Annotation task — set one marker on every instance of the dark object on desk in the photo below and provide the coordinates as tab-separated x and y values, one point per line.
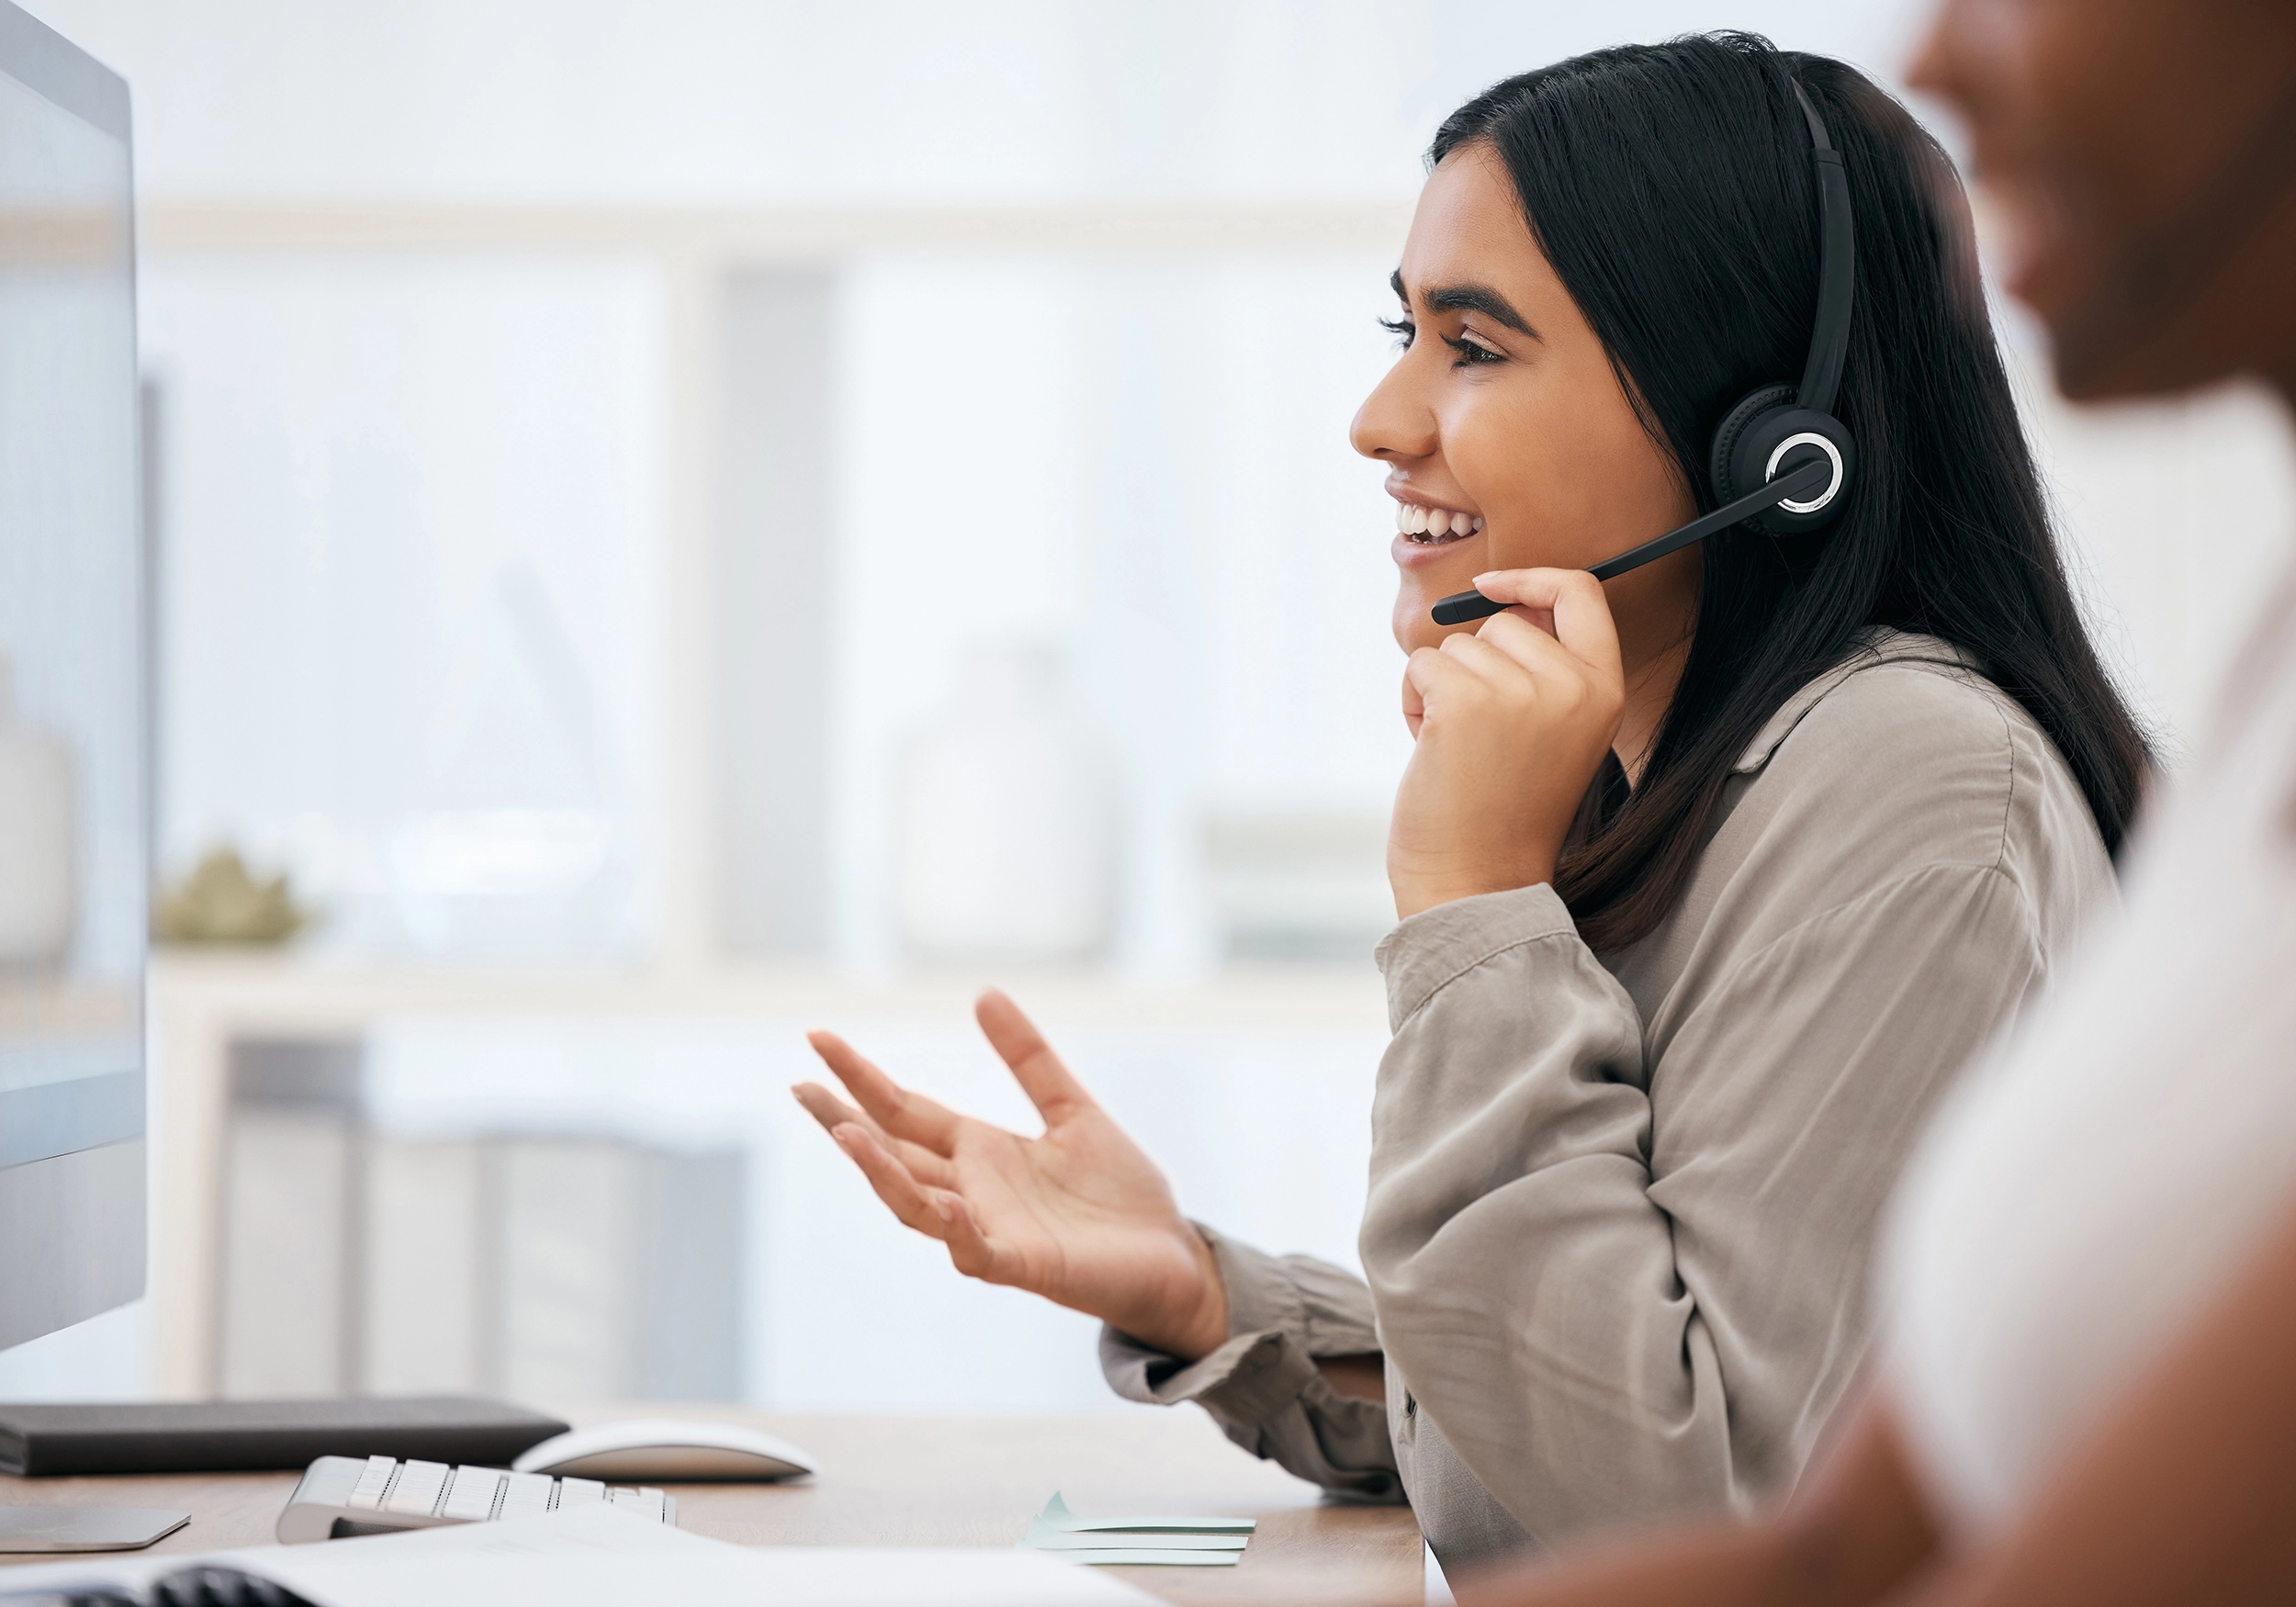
221	1587
240	1436
198	1586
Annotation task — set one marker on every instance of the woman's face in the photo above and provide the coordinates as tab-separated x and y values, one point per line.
2104	133
1504	419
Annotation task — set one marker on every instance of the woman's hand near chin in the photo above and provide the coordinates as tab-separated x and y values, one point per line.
1512	723
1079	1215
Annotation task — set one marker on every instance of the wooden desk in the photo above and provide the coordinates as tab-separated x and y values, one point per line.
937	1481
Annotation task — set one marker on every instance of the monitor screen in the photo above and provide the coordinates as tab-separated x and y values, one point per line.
73	805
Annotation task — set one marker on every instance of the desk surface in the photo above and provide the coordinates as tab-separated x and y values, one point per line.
936	1481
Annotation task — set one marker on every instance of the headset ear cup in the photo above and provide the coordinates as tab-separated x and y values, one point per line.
1779	441
1721	461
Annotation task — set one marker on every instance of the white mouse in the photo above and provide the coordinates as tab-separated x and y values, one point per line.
666	1452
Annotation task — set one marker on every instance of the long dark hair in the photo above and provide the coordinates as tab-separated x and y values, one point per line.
1669	186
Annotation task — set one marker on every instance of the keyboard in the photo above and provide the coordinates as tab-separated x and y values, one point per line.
342	1497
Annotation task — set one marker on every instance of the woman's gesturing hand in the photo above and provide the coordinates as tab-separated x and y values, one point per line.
1512	723
1079	1215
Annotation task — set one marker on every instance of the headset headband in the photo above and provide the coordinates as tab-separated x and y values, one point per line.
1837	266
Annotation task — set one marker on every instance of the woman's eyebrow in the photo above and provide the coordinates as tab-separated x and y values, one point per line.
1480	298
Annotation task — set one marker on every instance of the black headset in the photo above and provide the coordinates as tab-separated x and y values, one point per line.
1782	442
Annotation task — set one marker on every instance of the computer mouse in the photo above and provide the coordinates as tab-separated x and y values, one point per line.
667	1452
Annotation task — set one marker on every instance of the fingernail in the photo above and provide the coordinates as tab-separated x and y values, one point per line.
945	1207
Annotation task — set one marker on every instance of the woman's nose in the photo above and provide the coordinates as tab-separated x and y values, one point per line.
1394	423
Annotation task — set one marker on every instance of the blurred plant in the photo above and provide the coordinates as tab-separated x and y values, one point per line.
222	902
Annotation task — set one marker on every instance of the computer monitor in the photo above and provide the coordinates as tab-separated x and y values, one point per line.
73	754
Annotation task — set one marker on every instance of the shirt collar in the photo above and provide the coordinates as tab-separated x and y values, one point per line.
1879	646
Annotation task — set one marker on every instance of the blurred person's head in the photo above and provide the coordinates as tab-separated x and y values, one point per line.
1609	253
2141	158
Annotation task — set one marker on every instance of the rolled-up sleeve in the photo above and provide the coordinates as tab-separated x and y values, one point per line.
1624	1289
1262	1386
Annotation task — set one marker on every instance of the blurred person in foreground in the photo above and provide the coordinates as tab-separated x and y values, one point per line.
2086	1385
1710	877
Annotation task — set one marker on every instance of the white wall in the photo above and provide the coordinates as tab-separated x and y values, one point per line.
774	102
409	529
728	102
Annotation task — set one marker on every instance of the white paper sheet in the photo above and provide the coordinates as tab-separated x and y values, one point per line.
597	1556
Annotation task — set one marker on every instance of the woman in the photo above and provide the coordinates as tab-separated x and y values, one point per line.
2083	1392
1709	877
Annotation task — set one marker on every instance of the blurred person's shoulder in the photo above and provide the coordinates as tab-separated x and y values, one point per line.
2259	667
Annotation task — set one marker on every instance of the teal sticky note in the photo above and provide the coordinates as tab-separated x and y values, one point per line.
1043	1536
1057	1514
1145	1558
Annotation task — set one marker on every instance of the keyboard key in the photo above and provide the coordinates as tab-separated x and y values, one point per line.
580	1492
644	1504
527	1492
418	1489
470	1498
373	1481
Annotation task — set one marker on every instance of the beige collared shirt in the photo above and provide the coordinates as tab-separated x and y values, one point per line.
1621	1208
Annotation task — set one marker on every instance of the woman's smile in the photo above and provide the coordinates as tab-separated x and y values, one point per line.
1432	527
1426	530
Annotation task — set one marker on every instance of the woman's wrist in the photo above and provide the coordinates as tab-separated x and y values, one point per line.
1415	893
1202	1327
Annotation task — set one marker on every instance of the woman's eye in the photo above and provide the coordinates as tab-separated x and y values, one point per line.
1472	351
1403	329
